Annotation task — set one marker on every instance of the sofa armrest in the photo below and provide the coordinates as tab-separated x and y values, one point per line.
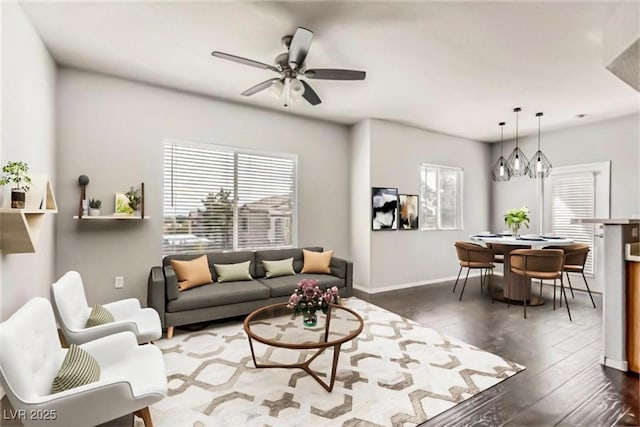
156	293
344	270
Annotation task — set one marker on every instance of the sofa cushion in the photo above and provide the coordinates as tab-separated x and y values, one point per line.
192	273
316	262
283	267
280	254
218	294
233	272
219	258
285	285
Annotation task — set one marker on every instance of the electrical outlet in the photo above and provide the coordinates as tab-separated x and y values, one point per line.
119	283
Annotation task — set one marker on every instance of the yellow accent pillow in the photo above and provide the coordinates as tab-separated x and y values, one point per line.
316	262
192	273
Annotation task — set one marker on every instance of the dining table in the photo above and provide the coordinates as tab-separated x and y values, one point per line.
516	288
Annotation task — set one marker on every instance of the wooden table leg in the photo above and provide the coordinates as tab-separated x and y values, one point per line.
145	415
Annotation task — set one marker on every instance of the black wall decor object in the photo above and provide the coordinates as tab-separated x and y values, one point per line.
408	211
384	208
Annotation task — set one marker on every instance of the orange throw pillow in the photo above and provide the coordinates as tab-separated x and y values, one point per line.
316	262
192	273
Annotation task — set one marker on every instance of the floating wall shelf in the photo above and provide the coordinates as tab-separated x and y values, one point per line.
20	228
110	217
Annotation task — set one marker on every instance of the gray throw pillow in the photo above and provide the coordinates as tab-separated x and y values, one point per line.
99	316
233	272
78	368
283	267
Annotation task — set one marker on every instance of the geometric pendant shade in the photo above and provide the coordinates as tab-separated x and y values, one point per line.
517	159
501	171
540	166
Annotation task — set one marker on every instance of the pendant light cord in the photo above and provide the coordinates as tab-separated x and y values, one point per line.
539	133
517	128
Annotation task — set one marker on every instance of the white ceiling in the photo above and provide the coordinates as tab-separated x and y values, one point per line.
456	68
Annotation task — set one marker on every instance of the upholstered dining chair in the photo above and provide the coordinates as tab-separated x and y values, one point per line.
542	264
498	252
131	377
71	308
575	258
473	256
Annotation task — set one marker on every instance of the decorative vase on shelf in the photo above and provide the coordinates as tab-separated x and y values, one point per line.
94	212
310	319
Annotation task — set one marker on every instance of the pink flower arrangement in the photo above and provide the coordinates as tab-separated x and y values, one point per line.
308	297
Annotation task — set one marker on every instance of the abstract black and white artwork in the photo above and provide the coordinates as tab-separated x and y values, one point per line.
384	208
408	211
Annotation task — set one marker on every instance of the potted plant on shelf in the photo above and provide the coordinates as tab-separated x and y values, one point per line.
134	200
94	207
17	173
307	298
515	218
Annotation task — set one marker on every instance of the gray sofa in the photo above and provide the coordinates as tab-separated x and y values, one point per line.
228	299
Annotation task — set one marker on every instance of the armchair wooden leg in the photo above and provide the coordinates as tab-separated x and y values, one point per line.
169	332
145	415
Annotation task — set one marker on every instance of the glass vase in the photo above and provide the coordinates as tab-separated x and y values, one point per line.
515	230
310	319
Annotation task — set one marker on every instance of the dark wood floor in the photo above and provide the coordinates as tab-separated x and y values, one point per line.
564	384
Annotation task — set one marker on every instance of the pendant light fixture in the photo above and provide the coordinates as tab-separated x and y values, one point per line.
501	171
517	159
540	166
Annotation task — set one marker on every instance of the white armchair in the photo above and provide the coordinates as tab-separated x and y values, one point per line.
132	377
71	308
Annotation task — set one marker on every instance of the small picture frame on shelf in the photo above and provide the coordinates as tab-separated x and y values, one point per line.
122	205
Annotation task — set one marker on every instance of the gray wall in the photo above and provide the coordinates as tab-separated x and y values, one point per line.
405	258
617	140
28	132
113	129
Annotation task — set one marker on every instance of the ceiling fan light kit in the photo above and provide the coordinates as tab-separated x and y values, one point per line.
291	66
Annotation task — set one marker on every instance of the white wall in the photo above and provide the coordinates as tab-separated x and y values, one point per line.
405	258
112	130
28	134
617	140
361	203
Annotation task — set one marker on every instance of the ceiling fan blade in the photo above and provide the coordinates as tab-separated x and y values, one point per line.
309	94
260	86
245	61
299	47
334	74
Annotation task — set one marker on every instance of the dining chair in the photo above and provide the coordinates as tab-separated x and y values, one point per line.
473	256
575	258
498	252
542	264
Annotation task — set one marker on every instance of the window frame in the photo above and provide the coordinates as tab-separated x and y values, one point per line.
235	150
459	197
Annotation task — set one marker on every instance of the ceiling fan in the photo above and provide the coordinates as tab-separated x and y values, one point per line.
291	65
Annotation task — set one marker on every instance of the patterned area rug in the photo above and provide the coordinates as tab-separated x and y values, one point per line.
395	373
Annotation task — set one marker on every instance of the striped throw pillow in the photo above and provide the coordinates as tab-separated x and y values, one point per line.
99	316
78	368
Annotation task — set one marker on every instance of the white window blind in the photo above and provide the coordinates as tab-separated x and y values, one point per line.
220	198
440	197
573	196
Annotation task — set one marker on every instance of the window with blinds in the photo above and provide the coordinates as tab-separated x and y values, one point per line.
221	198
573	196
440	197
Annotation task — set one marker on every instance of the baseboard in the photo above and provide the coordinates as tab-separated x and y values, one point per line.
400	286
620	365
